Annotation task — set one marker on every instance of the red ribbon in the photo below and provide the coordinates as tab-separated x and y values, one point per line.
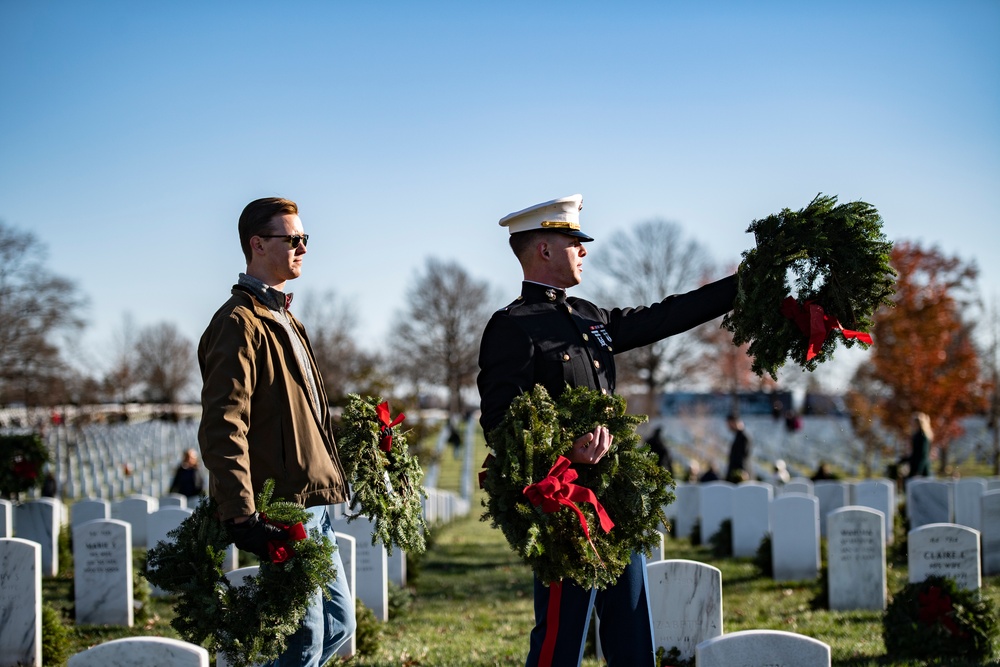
486	464
281	550
385	442
25	469
816	324
557	489
935	606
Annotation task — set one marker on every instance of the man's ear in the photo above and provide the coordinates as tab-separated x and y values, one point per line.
543	248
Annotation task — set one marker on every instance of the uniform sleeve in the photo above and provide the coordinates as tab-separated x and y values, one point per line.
634	327
226	356
506	368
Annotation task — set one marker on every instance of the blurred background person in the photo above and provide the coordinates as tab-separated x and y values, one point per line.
920	446
187	478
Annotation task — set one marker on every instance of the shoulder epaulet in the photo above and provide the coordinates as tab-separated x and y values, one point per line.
516	302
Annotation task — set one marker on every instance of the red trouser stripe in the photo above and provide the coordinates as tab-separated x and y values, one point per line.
551	625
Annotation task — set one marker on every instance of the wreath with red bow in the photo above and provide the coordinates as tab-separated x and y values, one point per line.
249	623
837	259
936	618
579	522
22	458
385	479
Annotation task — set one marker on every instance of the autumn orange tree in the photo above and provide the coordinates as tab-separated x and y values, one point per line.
924	358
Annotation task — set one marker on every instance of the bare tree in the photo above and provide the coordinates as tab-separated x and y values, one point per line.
438	334
165	362
36	308
122	377
643	266
346	368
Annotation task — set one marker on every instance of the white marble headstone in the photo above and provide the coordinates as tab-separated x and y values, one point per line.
39	521
928	501
832	496
945	550
20	602
88	509
346	547
968	507
162	521
6	518
158	525
856	559
990	517
878	494
685	599
795	537
716	506
763	648
102	568
797	485
751	521
396	565
687	509
370	566
136	509
231	561
174	500
142	652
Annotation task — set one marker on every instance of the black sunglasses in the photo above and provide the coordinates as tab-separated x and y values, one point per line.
294	239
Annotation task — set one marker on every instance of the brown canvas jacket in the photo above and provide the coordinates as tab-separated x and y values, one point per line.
257	419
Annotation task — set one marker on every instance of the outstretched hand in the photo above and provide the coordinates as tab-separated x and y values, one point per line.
592	447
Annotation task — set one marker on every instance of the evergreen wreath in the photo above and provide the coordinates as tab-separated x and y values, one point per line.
627	482
22	458
937	618
385	479
838	258
250	623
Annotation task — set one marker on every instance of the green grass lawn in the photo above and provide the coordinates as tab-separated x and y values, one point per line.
471	604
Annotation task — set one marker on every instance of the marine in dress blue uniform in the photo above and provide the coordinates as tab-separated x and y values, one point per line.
546	337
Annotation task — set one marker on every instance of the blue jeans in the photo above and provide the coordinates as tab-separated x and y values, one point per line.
328	623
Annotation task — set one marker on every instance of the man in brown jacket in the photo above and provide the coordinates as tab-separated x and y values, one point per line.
265	415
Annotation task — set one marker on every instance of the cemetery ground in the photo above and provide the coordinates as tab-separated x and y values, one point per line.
469	603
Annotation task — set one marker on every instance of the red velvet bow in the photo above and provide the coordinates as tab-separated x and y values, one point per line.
25	469
281	550
935	605
557	489
486	464
385	442
816	324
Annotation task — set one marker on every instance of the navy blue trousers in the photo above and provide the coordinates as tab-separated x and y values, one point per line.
562	618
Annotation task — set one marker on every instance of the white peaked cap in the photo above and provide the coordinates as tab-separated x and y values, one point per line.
558	215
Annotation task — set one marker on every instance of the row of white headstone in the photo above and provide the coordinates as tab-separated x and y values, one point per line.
686	596
113	461
795	514
104	535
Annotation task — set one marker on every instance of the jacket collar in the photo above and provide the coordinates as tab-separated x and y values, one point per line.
538	293
267	295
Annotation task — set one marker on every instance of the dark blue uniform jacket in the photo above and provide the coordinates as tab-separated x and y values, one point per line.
545	337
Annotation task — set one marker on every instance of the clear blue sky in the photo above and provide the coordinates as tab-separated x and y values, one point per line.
132	134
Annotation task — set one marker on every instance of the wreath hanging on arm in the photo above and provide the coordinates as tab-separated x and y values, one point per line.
579	522
838	260
250	623
385	478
